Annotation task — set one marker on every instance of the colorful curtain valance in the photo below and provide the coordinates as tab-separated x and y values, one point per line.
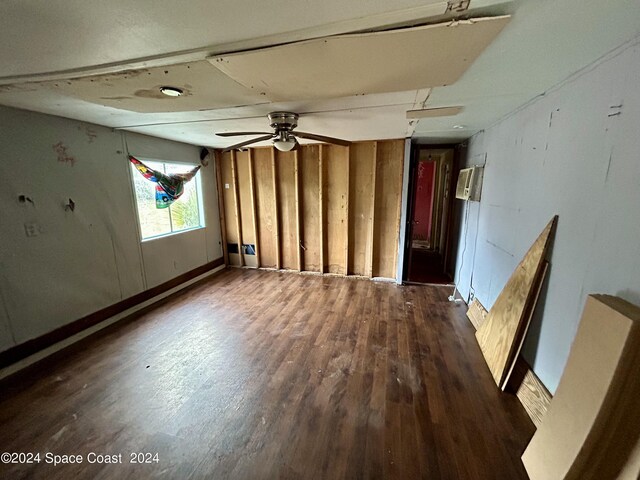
169	186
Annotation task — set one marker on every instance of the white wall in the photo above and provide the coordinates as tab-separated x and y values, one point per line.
90	258
570	152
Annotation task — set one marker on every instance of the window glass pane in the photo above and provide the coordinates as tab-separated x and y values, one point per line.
153	221
185	212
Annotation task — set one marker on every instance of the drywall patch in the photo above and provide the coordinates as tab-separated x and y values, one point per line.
62	151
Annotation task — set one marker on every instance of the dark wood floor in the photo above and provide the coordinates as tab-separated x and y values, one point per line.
427	267
265	375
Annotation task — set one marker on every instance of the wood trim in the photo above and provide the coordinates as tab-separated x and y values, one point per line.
223	222
298	218
276	210
533	395
25	349
320	207
254	212
369	267
236	198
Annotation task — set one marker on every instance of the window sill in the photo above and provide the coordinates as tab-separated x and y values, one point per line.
172	234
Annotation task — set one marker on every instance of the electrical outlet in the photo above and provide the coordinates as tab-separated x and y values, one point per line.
32	229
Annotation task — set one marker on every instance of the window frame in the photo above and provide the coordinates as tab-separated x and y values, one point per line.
197	179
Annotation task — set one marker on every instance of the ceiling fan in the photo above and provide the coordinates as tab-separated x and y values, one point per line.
283	136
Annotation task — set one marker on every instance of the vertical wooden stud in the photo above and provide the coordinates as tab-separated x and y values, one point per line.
346	218
321	208
398	218
234	175
298	220
223	225
277	213
252	187
372	218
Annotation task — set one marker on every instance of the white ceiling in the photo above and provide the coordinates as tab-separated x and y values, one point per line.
48	42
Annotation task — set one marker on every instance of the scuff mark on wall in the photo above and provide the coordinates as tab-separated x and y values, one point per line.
63	153
500	248
606	177
90	132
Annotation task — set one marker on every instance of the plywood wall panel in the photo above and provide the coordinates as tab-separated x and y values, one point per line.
388	193
310	205
335	197
265	207
361	197
285	165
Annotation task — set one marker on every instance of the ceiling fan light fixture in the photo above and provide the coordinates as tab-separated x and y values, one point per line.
284	143
171	91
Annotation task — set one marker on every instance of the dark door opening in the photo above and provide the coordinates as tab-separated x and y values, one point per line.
429	215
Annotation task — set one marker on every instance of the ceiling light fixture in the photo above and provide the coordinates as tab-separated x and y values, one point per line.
284	142
459	127
171	91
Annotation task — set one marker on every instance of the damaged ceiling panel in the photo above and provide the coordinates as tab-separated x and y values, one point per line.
381	122
343	65
204	87
433	112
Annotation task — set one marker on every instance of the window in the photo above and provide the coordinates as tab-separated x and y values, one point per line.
183	214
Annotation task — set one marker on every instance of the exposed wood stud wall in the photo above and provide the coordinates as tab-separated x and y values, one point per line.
254	215
287	214
387	207
335	183
372	206
276	212
265	206
310	208
345	226
296	157
320	208
236	201
223	223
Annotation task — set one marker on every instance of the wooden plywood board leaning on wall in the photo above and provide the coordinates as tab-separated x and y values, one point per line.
593	425
533	395
322	208
500	335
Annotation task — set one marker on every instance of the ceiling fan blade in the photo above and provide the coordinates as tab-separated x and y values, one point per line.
238	134
249	142
321	138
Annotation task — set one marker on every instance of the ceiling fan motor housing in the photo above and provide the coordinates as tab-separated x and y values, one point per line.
283	121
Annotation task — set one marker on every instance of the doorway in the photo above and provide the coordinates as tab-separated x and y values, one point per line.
429	215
